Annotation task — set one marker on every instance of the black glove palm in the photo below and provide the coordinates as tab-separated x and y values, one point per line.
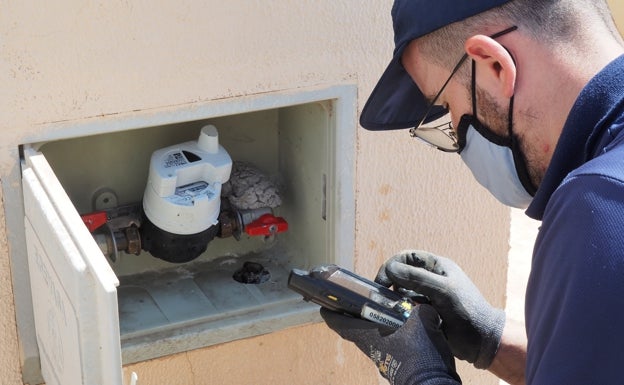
472	326
415	354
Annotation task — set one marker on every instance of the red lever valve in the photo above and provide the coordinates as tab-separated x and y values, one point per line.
267	225
94	220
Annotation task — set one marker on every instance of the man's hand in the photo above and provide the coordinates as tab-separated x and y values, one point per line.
472	326
415	354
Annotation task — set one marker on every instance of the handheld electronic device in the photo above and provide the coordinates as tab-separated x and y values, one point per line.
342	291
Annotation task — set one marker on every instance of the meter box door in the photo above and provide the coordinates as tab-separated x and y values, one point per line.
96	310
73	288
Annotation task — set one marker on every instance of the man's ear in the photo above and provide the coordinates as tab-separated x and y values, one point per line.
496	70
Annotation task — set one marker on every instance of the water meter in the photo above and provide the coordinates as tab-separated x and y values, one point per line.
182	199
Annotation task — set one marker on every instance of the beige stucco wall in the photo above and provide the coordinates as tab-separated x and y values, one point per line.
617	8
71	60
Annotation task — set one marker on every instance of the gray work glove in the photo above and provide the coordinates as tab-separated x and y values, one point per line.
415	354
472	326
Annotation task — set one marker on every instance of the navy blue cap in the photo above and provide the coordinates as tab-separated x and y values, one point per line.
396	102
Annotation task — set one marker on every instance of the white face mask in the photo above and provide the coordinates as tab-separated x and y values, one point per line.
492	164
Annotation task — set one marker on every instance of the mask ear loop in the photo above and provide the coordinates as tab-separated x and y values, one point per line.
518	157
511	103
474	75
466	120
473	91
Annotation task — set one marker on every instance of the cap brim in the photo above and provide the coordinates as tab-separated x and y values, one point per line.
396	101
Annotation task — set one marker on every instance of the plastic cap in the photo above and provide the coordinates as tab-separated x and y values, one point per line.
209	139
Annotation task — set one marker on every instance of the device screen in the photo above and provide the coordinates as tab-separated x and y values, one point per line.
360	287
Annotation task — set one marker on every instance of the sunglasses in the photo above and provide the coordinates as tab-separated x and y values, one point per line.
438	131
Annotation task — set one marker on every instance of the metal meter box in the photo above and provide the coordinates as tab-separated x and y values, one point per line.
93	313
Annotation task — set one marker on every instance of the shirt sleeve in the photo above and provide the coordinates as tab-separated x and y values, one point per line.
575	295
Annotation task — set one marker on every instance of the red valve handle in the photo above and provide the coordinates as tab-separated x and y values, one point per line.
93	221
267	225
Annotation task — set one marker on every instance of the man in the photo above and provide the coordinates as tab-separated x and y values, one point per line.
535	95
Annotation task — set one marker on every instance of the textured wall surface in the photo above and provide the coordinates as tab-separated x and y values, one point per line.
72	60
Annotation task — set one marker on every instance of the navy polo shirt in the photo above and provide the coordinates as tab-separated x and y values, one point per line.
575	295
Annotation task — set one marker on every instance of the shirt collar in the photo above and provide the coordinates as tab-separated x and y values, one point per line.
598	102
